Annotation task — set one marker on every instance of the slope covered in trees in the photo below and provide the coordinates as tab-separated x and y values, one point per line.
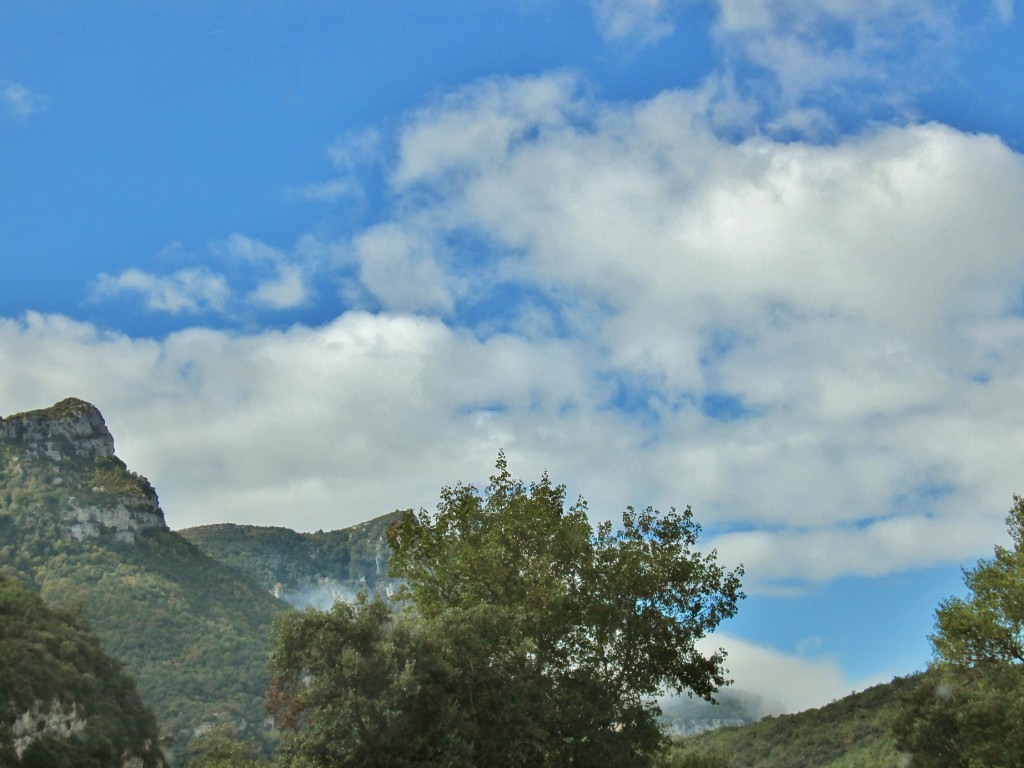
853	732
89	535
64	703
303	568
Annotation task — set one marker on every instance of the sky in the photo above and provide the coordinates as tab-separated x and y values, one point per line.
314	261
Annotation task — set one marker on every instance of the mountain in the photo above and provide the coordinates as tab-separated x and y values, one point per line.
89	535
852	732
689	716
64	703
303	568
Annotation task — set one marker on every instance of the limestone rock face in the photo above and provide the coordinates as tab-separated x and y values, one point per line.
68	447
72	427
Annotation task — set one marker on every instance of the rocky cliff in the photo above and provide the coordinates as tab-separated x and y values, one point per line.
68	446
89	535
72	427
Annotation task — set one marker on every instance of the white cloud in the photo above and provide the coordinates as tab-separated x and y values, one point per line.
797	682
315	427
477	125
285	291
256	275
400	268
330	191
20	100
843	294
645	21
185	291
247	249
855	306
356	148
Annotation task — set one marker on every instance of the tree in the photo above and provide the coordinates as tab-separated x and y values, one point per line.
222	747
969	710
603	621
527	638
988	626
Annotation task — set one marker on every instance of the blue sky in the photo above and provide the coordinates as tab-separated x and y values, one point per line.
315	260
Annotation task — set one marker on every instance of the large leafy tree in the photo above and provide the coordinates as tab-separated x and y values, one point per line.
528	638
602	620
969	711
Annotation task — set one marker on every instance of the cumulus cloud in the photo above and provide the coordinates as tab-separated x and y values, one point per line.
797	682
852	304
20	100
819	347
255	276
324	427
399	266
185	291
643	21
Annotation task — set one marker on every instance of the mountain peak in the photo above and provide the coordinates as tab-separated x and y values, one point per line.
62	460
69	428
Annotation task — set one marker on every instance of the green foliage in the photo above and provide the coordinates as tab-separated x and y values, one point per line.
50	660
853	732
970	710
221	747
358	686
989	624
530	639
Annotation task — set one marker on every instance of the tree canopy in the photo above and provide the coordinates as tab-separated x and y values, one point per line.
969	711
527	638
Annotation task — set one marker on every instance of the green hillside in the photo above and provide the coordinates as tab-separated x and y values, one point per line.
303	568
90	536
853	732
64	703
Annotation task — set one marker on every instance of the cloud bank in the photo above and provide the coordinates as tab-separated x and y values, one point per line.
817	346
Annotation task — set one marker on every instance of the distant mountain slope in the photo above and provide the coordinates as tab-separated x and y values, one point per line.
302	568
688	716
64	703
90	535
853	732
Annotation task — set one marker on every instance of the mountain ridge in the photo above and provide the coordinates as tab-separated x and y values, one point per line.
90	536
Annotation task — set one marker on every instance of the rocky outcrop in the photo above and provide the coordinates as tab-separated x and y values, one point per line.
43	721
72	427
68	446
90	520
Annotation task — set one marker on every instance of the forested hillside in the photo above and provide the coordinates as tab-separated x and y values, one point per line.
853	732
64	703
90	536
302	568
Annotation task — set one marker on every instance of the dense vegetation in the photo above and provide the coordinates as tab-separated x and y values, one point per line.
192	632
853	732
972	712
529	639
304	568
520	637
52	665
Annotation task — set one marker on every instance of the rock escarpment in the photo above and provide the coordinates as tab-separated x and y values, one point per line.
89	535
69	447
72	427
